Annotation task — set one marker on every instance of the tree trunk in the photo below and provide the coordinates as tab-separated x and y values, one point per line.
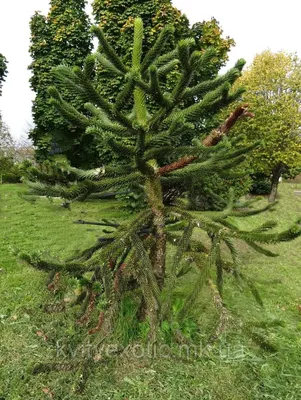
151	306
158	251
276	173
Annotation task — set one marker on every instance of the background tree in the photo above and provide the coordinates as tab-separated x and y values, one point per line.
61	37
6	140
3	71
24	150
131	258
9	171
273	91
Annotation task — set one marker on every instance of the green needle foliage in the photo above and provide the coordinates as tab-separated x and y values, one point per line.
131	257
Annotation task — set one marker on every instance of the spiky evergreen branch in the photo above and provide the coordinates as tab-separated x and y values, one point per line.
108	50
206	86
157	48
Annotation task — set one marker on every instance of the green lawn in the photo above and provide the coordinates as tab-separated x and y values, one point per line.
257	357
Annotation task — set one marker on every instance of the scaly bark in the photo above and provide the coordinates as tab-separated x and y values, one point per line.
217	134
158	251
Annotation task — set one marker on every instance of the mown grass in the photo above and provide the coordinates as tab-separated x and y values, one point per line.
257	357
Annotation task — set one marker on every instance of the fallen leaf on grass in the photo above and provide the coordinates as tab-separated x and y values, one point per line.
48	391
42	334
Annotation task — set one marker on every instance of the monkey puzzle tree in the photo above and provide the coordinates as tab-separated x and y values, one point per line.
131	258
61	37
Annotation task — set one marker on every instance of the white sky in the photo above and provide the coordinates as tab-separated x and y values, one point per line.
255	26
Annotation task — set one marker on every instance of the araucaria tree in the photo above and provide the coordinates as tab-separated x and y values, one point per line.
131	258
61	37
273	83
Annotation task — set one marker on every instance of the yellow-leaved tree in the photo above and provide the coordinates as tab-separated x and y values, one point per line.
273	93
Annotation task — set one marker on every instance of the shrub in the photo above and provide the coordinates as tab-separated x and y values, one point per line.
261	184
9	171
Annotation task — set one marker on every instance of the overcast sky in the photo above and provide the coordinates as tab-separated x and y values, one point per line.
255	26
